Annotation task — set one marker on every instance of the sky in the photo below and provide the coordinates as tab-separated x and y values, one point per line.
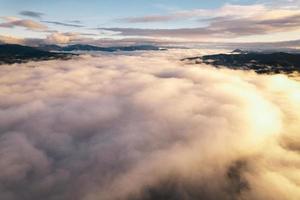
169	21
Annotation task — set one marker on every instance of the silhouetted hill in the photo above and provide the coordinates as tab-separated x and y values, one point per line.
50	47
13	53
261	62
239	51
138	48
81	47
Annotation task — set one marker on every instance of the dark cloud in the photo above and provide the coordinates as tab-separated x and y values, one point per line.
32	14
75	25
75	21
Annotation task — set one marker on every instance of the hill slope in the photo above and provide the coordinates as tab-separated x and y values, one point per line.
276	62
13	53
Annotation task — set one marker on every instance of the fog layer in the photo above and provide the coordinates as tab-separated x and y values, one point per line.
147	127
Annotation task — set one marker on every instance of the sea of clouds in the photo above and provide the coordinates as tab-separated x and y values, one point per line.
146	126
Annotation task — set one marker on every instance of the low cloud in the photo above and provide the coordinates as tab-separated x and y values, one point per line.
63	38
55	37
146	126
10	40
88	38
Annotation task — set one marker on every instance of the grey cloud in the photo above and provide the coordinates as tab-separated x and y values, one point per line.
249	26
76	25
75	21
229	21
225	27
194	14
286	22
32	14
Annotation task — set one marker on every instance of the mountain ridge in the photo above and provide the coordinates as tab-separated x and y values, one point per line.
260	62
87	47
14	53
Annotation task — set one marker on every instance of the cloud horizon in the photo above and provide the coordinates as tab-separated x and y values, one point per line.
146	126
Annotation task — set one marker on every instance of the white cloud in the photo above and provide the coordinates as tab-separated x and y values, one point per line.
60	38
134	126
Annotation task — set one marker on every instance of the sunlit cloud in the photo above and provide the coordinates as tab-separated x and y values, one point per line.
229	21
11	22
62	38
145	125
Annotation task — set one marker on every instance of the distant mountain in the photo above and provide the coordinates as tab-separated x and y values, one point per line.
50	47
261	62
138	48
13	53
266	51
83	47
239	51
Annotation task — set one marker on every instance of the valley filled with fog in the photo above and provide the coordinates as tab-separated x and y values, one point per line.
147	126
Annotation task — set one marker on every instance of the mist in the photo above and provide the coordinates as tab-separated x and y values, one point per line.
146	126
